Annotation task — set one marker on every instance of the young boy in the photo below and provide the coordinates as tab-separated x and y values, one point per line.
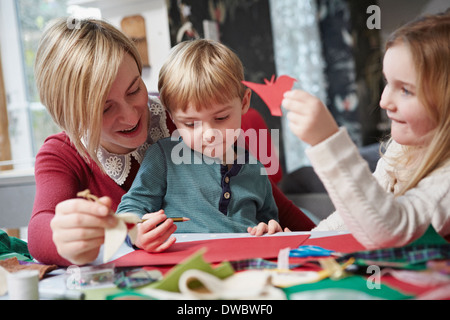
204	174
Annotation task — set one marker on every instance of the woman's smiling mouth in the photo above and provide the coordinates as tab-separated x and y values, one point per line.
131	130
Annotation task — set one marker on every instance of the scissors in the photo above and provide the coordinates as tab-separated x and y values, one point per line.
310	251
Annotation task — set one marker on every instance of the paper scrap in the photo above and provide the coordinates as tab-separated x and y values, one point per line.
114	237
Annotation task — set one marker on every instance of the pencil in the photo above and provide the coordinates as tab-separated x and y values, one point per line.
177	219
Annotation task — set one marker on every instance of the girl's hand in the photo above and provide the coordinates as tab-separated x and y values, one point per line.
79	228
309	119
262	228
154	234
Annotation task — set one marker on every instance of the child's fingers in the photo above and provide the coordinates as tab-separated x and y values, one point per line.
165	245
297	101
273	227
157	239
259	230
153	220
295	119
298	95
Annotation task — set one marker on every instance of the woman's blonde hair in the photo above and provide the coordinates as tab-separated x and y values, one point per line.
428	38
200	72
74	70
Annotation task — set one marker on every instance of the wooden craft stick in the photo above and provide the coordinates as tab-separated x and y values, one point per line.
177	219
86	194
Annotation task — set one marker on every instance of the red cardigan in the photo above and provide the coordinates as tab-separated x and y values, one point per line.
60	173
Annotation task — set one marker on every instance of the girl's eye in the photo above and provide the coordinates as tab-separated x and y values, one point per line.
406	92
189	124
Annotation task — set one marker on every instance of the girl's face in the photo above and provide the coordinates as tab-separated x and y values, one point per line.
411	125
125	115
213	131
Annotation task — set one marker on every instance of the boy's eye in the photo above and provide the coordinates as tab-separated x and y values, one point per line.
222	118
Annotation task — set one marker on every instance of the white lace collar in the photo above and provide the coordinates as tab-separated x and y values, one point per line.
118	166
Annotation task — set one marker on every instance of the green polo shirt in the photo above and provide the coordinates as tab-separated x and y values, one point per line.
185	183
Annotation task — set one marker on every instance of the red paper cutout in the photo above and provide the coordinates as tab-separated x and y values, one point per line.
272	92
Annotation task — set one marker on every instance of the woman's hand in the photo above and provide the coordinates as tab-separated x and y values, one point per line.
263	228
154	234
79	228
309	119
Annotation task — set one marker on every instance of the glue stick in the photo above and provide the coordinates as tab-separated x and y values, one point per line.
23	285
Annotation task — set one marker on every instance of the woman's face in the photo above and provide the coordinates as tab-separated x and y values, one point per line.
125	115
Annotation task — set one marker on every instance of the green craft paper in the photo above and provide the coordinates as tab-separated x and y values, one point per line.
429	237
128	295
100	293
196	261
355	283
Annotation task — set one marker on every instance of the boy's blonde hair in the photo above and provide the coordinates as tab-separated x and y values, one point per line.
74	71
198	73
428	38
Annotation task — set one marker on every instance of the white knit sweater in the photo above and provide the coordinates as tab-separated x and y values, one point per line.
363	201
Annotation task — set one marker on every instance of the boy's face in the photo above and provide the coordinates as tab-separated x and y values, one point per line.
213	130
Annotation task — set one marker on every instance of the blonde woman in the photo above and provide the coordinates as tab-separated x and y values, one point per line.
411	185
89	78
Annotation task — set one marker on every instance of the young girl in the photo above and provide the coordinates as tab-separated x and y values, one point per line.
411	186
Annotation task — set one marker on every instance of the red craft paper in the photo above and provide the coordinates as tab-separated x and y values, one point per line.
342	243
218	250
272	92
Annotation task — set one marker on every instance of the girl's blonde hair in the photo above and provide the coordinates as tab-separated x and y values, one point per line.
200	72
428	38
74	70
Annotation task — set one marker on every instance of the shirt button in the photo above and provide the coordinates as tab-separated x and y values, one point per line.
227	195
227	179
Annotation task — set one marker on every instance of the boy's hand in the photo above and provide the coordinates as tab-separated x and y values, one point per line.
309	119
154	234
263	228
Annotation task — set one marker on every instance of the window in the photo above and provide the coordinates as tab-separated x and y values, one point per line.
21	26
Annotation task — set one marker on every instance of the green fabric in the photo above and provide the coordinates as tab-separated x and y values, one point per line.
414	256
196	261
13	247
